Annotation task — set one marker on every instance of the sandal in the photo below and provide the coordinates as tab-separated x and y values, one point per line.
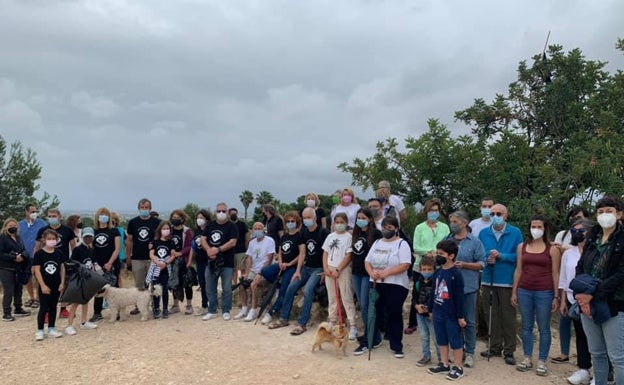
298	330
34	303
560	359
278	324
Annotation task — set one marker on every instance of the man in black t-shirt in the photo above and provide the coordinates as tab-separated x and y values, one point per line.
67	237
219	242
241	243
140	234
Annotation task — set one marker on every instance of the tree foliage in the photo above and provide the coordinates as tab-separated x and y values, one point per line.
246	198
555	138
19	172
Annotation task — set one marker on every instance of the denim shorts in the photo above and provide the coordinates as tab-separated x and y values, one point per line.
448	332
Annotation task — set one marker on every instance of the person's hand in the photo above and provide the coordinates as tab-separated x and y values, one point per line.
61	287
421	309
586	309
161	265
283	266
175	254
563	308
555	305
514	300
108	266
493	257
459	264
462	323
45	289
295	276
19	258
212	252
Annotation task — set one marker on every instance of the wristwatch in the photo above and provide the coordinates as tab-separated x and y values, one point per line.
219	248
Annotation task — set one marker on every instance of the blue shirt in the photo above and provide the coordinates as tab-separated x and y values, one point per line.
28	233
471	251
507	246
447	299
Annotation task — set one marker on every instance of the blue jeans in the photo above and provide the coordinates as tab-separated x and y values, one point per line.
606	342
226	289
361	286
426	332
201	278
565	334
270	273
309	280
470	315
535	305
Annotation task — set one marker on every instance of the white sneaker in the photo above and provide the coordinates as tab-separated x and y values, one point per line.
54	333
70	331
251	315
353	333
88	325
593	382
227	316
579	377
242	313
469	361
209	316
39	335
266	319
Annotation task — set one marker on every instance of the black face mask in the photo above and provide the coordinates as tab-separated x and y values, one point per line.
79	225
578	238
233	217
388	233
12	230
176	222
440	260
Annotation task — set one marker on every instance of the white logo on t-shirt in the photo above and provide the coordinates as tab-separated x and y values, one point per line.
50	268
143	234
101	239
311	246
286	246
162	252
358	245
215	237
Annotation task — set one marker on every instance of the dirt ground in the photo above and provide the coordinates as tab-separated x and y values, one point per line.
186	350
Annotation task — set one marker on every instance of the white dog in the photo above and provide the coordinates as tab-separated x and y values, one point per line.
118	299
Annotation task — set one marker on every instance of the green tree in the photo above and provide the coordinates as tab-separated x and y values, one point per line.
191	209
19	172
264	197
246	198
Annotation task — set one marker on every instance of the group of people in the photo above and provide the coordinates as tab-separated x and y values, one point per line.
357	254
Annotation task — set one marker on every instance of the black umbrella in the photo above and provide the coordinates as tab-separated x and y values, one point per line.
269	295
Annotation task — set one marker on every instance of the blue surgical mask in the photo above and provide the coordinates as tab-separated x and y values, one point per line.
361	223
340	227
308	222
433	216
258	234
103	218
53	221
144	213
291	225
485	213
497	221
427	275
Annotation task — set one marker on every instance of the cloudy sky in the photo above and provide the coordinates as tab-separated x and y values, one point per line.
194	101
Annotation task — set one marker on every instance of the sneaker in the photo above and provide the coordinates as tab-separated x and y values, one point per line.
21	312
580	377
165	314
423	361
440	368
54	333
88	325
455	374
377	344
593	381
135	311
39	335
209	316
64	313
96	317
360	350
251	315
509	359
227	316
156	313
542	369
202	311
8	318
525	365
469	361
353	333
266	319
189	310
399	354
490	353
242	313
70	331
174	309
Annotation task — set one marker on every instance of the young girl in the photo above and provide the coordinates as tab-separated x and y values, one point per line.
337	268
162	254
50	273
107	245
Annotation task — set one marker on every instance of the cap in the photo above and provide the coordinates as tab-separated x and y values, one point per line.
88	232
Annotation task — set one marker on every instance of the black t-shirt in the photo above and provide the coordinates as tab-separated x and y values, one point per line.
104	245
162	249
359	251
177	235
66	235
84	255
242	234
314	246
142	231
320	214
200	253
273	227
218	234
50	265
289	246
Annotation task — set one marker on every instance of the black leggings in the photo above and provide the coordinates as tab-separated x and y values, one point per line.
99	301
47	305
182	290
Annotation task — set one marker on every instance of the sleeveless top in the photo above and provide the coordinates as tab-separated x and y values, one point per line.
536	270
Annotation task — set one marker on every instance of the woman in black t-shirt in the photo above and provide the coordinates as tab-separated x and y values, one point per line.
273	224
106	248
198	254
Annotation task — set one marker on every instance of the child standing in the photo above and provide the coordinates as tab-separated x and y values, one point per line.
421	295
447	310
162	254
50	273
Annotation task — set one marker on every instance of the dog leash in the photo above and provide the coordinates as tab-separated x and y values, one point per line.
338	302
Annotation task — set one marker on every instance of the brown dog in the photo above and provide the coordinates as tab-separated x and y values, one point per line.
337	335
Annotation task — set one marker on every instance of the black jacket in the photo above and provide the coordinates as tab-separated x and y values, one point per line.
9	248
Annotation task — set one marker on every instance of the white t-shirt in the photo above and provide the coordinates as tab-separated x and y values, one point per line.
259	252
569	260
337	245
397	203
561	240
350	210
385	255
478	224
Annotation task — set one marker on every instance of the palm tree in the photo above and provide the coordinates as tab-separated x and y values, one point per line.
264	197
246	198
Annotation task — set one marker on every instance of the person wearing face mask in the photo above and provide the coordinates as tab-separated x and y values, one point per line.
200	258
106	246
374	205
428	233
421	295
273	224
387	263
564	237
140	233
29	229
347	205
13	259
259	255
219	241
478	224
535	290
470	260
603	259
241	243
393	200
500	242
182	237
75	223
312	200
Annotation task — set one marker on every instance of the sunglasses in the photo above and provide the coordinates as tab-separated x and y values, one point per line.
574	231
291	221
496	214
222	211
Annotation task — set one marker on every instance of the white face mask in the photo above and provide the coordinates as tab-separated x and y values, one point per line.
33	216
201	222
607	220
311	203
537	233
221	216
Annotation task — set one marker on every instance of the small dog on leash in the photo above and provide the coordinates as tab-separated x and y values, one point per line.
118	299
337	335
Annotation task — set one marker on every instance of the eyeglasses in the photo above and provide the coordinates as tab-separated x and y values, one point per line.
222	211
496	214
291	221
574	231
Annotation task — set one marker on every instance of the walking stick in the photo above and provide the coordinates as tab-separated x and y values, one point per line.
490	315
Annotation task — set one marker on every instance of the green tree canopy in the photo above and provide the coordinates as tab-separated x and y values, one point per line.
246	198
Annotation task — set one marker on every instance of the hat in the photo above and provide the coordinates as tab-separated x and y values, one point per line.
88	232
